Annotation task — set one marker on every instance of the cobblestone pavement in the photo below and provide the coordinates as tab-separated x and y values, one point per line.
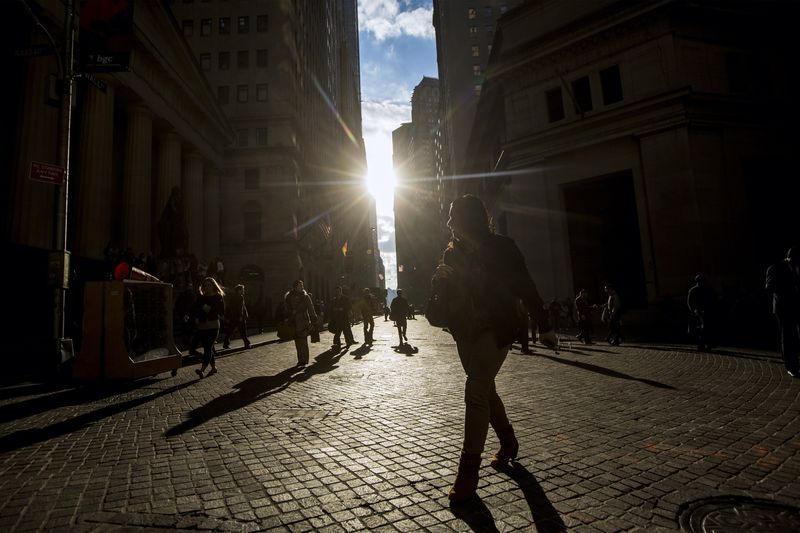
612	438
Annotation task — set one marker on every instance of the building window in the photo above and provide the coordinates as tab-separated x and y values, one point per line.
489	29
611	83
472	13
489	50
262	23
582	92
476	51
477	88
503	9
224	62
476	70
241	138
242	94
244	24
224	25
205	61
252	225
243	59
223	94
262	58
205	27
251	179
188	28
487	12
555	104
473	31
261	136
262	92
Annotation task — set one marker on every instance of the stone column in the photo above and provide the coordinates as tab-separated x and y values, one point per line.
137	218
168	170
93	190
37	140
211	214
192	186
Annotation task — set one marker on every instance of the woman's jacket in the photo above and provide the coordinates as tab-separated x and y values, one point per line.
300	312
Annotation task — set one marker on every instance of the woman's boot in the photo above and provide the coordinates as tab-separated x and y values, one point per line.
509	447
467	478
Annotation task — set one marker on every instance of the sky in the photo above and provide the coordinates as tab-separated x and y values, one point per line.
398	48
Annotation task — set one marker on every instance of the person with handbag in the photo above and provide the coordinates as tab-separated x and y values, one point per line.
485	275
302	317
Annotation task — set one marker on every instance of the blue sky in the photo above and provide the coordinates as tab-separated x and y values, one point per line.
398	48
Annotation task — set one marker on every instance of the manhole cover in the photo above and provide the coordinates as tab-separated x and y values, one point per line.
734	513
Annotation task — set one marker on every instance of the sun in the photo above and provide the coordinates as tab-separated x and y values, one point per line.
380	184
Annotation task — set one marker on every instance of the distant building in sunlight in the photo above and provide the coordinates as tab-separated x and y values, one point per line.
286	73
640	144
464	35
418	226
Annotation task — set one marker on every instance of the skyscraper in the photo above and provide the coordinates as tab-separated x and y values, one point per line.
286	74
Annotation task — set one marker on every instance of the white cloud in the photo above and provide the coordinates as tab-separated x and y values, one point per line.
384	19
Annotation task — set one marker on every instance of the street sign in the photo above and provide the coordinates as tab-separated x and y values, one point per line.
47	173
98	83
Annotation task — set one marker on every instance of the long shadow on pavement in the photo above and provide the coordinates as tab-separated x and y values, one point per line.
475	514
254	389
608	372
740	355
71	396
544	515
26	437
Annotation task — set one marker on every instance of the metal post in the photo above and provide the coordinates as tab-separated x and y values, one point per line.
59	260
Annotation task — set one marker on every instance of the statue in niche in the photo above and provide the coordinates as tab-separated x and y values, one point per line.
173	232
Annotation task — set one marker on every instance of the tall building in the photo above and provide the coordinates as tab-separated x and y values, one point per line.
641	144
465	31
286	74
419	230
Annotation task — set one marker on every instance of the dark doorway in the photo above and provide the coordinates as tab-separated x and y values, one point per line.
604	241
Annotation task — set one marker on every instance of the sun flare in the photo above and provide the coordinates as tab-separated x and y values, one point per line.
380	184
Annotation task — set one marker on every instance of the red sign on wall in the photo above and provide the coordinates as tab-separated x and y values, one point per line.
47	173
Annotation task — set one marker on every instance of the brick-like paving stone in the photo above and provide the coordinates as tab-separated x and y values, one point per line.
612	439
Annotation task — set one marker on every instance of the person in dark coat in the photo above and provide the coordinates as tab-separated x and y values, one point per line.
486	275
365	307
302	318
237	316
340	318
703	307
783	281
399	311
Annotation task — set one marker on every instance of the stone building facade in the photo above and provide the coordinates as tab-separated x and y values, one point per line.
136	135
641	144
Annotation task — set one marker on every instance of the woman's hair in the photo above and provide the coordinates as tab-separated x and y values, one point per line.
472	215
296	283
215	286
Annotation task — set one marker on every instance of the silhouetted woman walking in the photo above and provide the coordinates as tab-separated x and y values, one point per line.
302	317
485	274
209	308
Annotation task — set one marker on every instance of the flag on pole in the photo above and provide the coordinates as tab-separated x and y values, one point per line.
344	249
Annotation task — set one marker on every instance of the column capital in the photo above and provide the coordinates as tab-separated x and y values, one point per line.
138	108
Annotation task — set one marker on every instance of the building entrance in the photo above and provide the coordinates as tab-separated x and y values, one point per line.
604	240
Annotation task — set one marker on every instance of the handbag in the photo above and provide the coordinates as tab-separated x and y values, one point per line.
286	331
436	311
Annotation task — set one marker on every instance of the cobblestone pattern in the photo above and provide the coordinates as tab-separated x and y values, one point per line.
612	439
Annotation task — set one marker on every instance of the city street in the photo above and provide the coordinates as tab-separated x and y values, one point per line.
612	439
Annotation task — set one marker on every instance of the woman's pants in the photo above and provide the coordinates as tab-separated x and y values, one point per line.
301	344
207	338
481	359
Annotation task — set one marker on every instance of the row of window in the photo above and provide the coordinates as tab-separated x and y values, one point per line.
242	60
476	50
242	93
224	25
473	30
581	94
243	141
488	11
